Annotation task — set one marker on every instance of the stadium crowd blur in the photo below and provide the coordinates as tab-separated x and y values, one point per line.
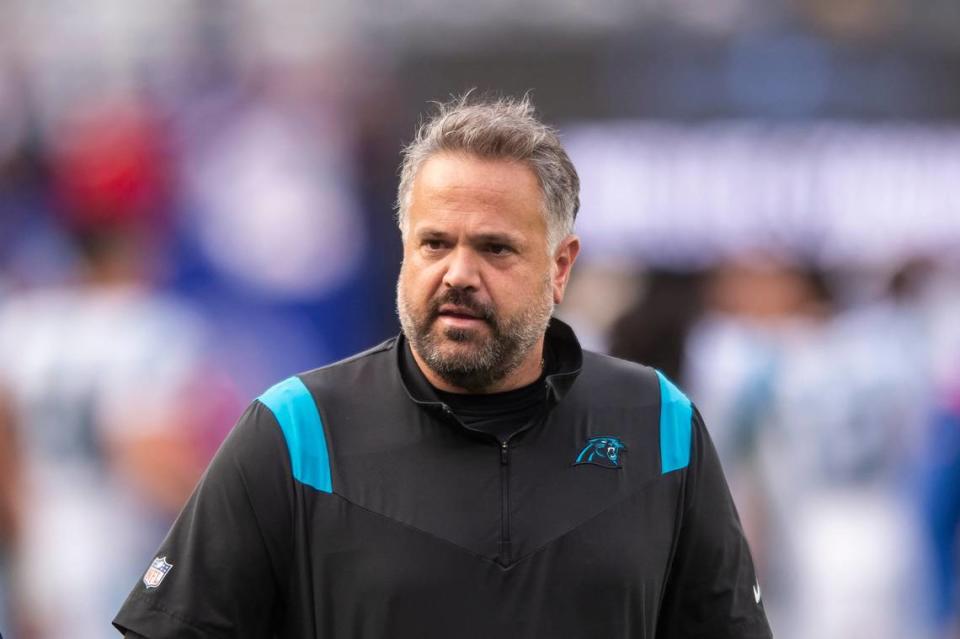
196	201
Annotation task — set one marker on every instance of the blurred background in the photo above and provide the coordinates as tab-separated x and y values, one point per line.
196	201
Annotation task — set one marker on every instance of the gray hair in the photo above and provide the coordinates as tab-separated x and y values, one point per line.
502	128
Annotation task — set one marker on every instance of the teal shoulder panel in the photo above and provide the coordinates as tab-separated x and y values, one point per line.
296	412
676	414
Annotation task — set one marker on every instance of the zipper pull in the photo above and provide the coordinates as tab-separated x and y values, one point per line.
503	452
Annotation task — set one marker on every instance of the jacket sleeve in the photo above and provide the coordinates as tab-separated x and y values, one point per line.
221	570
712	589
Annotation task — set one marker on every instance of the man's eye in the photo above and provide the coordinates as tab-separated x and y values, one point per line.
499	249
433	245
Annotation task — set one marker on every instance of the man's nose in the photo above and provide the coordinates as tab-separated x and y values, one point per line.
462	269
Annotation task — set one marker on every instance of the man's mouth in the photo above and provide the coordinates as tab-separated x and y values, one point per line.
462	316
449	310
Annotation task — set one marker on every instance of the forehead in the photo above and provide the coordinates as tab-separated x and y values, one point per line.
457	187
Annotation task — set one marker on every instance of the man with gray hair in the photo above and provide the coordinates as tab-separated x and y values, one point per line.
479	475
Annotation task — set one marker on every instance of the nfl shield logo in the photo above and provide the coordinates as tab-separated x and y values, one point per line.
157	571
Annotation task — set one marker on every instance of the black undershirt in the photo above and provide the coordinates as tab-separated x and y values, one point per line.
498	414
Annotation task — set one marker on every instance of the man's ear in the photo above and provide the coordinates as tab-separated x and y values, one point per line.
563	259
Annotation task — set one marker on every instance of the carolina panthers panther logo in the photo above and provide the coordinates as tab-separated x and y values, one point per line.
602	451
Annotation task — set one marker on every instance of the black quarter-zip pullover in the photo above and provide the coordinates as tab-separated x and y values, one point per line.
345	505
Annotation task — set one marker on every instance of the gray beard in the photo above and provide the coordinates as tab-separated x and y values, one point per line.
494	356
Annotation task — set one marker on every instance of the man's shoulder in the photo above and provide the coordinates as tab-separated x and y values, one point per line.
323	398
352	375
605	376
602	363
374	355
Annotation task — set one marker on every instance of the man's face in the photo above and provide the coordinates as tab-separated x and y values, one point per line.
478	285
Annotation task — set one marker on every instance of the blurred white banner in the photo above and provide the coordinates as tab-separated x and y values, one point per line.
841	193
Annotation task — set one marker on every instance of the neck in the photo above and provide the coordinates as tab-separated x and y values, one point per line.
526	373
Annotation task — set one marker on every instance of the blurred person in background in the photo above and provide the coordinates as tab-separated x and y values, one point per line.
106	391
818	414
654	330
10	505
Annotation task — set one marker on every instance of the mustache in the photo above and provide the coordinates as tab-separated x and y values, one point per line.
460	297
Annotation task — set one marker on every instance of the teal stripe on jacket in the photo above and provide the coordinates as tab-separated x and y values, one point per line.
676	413
296	412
